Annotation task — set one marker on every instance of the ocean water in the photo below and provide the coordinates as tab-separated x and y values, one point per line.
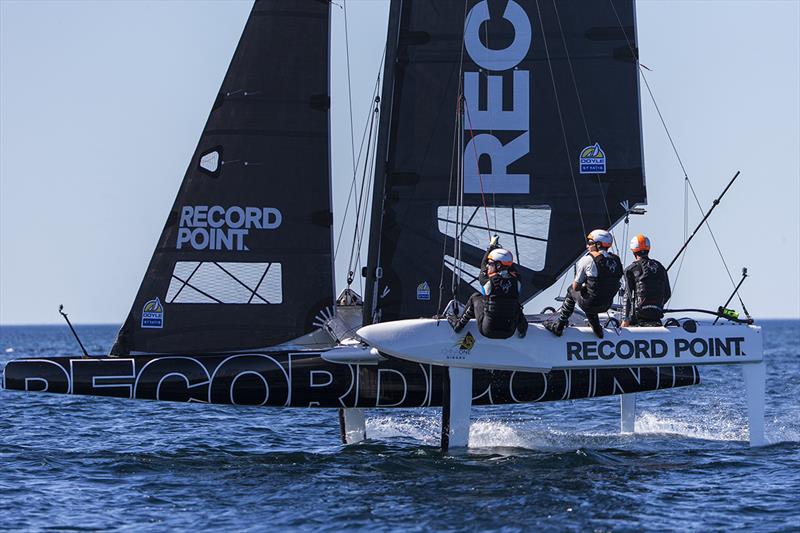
84	463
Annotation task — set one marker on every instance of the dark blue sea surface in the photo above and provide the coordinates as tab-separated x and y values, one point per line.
84	463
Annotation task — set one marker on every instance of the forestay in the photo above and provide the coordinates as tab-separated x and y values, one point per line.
550	141
244	259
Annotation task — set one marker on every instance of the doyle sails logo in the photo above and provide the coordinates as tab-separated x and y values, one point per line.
423	291
502	76
203	227
593	160
153	314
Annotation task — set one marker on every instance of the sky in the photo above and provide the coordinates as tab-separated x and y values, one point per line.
102	104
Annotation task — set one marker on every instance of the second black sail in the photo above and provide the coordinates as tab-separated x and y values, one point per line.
544	97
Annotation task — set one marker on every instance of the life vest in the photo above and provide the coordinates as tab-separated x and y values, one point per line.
598	293
501	307
651	283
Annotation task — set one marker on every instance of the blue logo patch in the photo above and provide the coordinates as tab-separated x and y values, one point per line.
423	291
153	314
593	160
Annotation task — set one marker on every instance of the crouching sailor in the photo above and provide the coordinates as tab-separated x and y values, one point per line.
497	310
646	287
595	285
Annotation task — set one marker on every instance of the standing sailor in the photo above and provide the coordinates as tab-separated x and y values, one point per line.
595	285
496	308
646	287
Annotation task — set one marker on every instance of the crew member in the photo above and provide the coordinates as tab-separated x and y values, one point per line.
595	285
496	308
646	287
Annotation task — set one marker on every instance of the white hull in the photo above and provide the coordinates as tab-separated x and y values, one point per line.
432	341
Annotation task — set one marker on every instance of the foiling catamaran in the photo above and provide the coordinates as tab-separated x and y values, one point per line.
512	117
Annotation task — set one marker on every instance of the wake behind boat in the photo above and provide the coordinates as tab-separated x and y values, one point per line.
535	139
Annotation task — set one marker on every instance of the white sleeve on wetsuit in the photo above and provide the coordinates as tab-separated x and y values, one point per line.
585	269
486	288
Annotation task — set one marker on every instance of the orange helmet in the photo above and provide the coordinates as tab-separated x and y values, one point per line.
640	243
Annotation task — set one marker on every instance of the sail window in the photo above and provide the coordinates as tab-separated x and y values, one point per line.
210	161
523	230
208	282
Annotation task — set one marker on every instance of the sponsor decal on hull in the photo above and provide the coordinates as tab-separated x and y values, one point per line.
627	350
304	379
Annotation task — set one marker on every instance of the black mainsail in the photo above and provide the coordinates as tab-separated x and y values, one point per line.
244	260
550	142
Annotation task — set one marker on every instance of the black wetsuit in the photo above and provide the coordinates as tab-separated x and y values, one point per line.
498	313
646	291
597	293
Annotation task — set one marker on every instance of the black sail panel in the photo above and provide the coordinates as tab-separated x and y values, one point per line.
244	259
550	141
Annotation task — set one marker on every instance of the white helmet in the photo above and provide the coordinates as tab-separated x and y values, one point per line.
601	238
499	255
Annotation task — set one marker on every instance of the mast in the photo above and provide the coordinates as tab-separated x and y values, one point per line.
373	268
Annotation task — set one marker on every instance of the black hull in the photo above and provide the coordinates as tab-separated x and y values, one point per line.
304	379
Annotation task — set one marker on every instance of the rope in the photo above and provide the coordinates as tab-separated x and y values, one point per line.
583	115
563	128
685	233
370	163
491	131
360	151
477	167
453	157
457	162
349	90
356	240
674	147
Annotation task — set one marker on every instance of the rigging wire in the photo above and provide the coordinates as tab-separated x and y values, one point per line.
459	205
356	239
457	162
563	128
349	89
369	164
358	159
583	114
491	131
453	156
674	148
465	109
685	231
